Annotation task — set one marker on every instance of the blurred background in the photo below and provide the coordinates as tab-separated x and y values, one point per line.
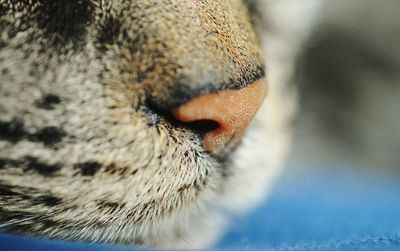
348	77
343	59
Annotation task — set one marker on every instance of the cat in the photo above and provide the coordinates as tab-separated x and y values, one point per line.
91	146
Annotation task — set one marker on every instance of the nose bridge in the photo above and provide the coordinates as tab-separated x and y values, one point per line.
189	43
201	47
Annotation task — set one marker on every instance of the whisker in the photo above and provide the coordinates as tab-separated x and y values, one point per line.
11	223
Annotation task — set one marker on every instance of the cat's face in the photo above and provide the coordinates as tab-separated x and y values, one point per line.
87	148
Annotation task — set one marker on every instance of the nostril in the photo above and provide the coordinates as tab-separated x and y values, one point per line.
203	126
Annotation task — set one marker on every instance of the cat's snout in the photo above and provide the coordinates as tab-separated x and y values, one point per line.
222	117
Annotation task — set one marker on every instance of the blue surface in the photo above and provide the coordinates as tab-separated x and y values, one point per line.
343	208
324	208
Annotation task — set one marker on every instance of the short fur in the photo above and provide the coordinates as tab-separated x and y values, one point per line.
87	149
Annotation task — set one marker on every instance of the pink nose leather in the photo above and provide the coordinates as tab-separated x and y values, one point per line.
231	110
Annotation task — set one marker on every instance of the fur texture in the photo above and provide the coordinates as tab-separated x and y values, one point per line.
87	149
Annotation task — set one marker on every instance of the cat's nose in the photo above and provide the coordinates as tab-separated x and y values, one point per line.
224	115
